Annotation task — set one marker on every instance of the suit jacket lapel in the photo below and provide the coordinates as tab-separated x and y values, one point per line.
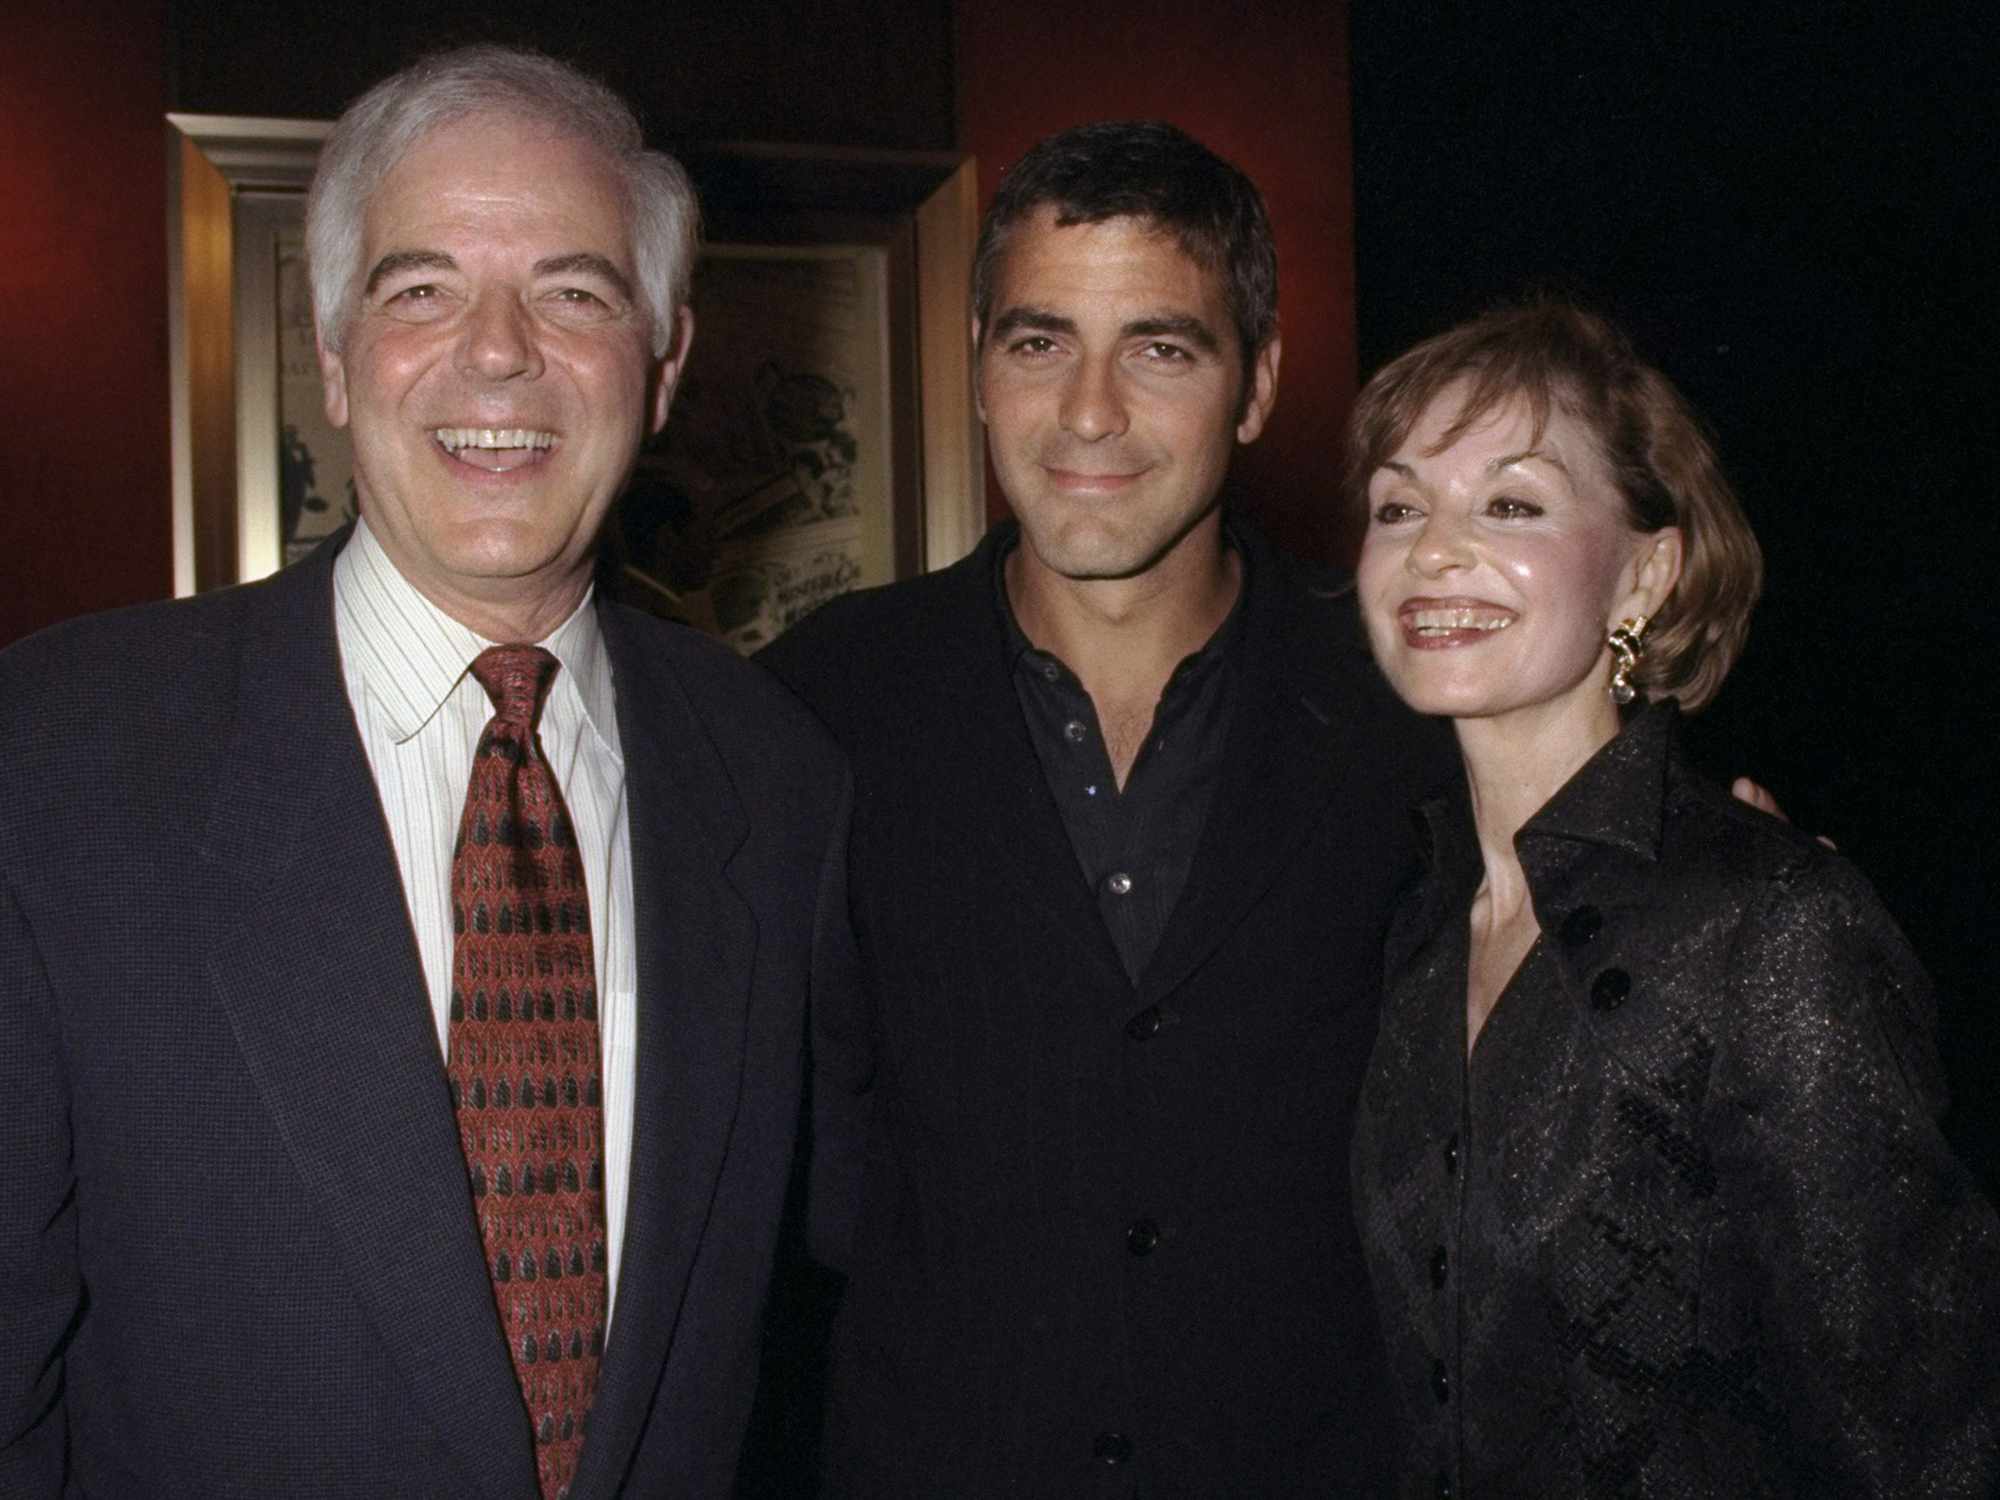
696	948
1293	734
990	761
326	994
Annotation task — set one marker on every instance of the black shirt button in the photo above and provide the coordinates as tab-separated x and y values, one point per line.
1609	989
1451	1156
1444	1486
1112	1448
1142	1236
1581	925
1146	1025
1440	1382
1438	1267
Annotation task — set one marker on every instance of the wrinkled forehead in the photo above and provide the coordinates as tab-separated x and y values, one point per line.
499	150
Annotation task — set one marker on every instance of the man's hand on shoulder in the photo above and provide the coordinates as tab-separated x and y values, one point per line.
1759	797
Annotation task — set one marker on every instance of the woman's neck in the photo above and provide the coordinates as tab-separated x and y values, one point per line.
1514	764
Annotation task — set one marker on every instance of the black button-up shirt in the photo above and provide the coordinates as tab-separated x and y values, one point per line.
1135	846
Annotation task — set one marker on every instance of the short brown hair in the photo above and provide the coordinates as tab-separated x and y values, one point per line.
1163	177
1553	354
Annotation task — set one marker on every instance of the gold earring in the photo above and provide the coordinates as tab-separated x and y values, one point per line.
1628	644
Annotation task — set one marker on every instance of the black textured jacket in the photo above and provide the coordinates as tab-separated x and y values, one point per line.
1105	1244
1686	1225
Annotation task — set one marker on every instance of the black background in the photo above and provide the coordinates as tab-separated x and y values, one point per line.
1789	207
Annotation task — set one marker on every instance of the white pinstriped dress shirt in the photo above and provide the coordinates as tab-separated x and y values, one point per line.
421	712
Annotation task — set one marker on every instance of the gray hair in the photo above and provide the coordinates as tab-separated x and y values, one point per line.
384	124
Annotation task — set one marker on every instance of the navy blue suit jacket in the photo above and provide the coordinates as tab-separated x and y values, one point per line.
237	1250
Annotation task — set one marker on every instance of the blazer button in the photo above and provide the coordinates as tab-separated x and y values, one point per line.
1451	1156
1438	1268
1440	1382
1142	1237
1443	1486
1146	1025
1581	925
1112	1448
1609	989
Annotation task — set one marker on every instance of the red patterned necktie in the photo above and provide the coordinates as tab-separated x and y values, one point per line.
524	1061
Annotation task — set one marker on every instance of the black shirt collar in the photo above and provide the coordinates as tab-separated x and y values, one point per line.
1222	646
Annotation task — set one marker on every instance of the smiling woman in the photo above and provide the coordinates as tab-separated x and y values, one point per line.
1494	565
1647	1164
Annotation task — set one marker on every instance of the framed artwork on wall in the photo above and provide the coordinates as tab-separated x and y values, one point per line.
258	475
823	438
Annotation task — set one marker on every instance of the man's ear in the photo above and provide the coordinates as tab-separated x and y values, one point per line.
667	372
978	396
1261	391
333	381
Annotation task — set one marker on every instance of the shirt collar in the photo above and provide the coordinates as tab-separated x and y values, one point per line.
1616	798
409	656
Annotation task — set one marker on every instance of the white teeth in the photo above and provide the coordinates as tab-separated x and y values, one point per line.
454	438
1442	621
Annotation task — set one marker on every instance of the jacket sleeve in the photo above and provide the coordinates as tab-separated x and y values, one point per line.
40	1284
1870	1249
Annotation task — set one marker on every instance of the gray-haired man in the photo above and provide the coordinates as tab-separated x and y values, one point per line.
403	961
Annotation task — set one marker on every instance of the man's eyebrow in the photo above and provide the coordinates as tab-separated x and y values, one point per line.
1171	326
586	263
398	261
1164	325
1030	320
578	262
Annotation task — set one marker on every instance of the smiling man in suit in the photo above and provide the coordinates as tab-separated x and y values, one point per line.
1130	809
403	961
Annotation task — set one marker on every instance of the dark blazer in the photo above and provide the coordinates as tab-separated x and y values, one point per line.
1104	1242
1685	1226
237	1251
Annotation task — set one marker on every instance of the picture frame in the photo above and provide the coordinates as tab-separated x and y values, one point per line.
235	185
824	435
250	472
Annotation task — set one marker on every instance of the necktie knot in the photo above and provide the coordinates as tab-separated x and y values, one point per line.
517	679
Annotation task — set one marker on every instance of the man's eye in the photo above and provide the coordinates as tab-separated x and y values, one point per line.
1034	343
1166	353
421	302
579	297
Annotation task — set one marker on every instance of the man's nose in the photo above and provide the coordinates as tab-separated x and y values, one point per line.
499	340
1092	405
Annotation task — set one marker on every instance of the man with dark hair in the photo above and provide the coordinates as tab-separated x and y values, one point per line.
403	960
1130	810
1153	173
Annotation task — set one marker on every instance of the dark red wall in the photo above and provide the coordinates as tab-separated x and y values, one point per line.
84	505
818	72
1264	85
84	468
